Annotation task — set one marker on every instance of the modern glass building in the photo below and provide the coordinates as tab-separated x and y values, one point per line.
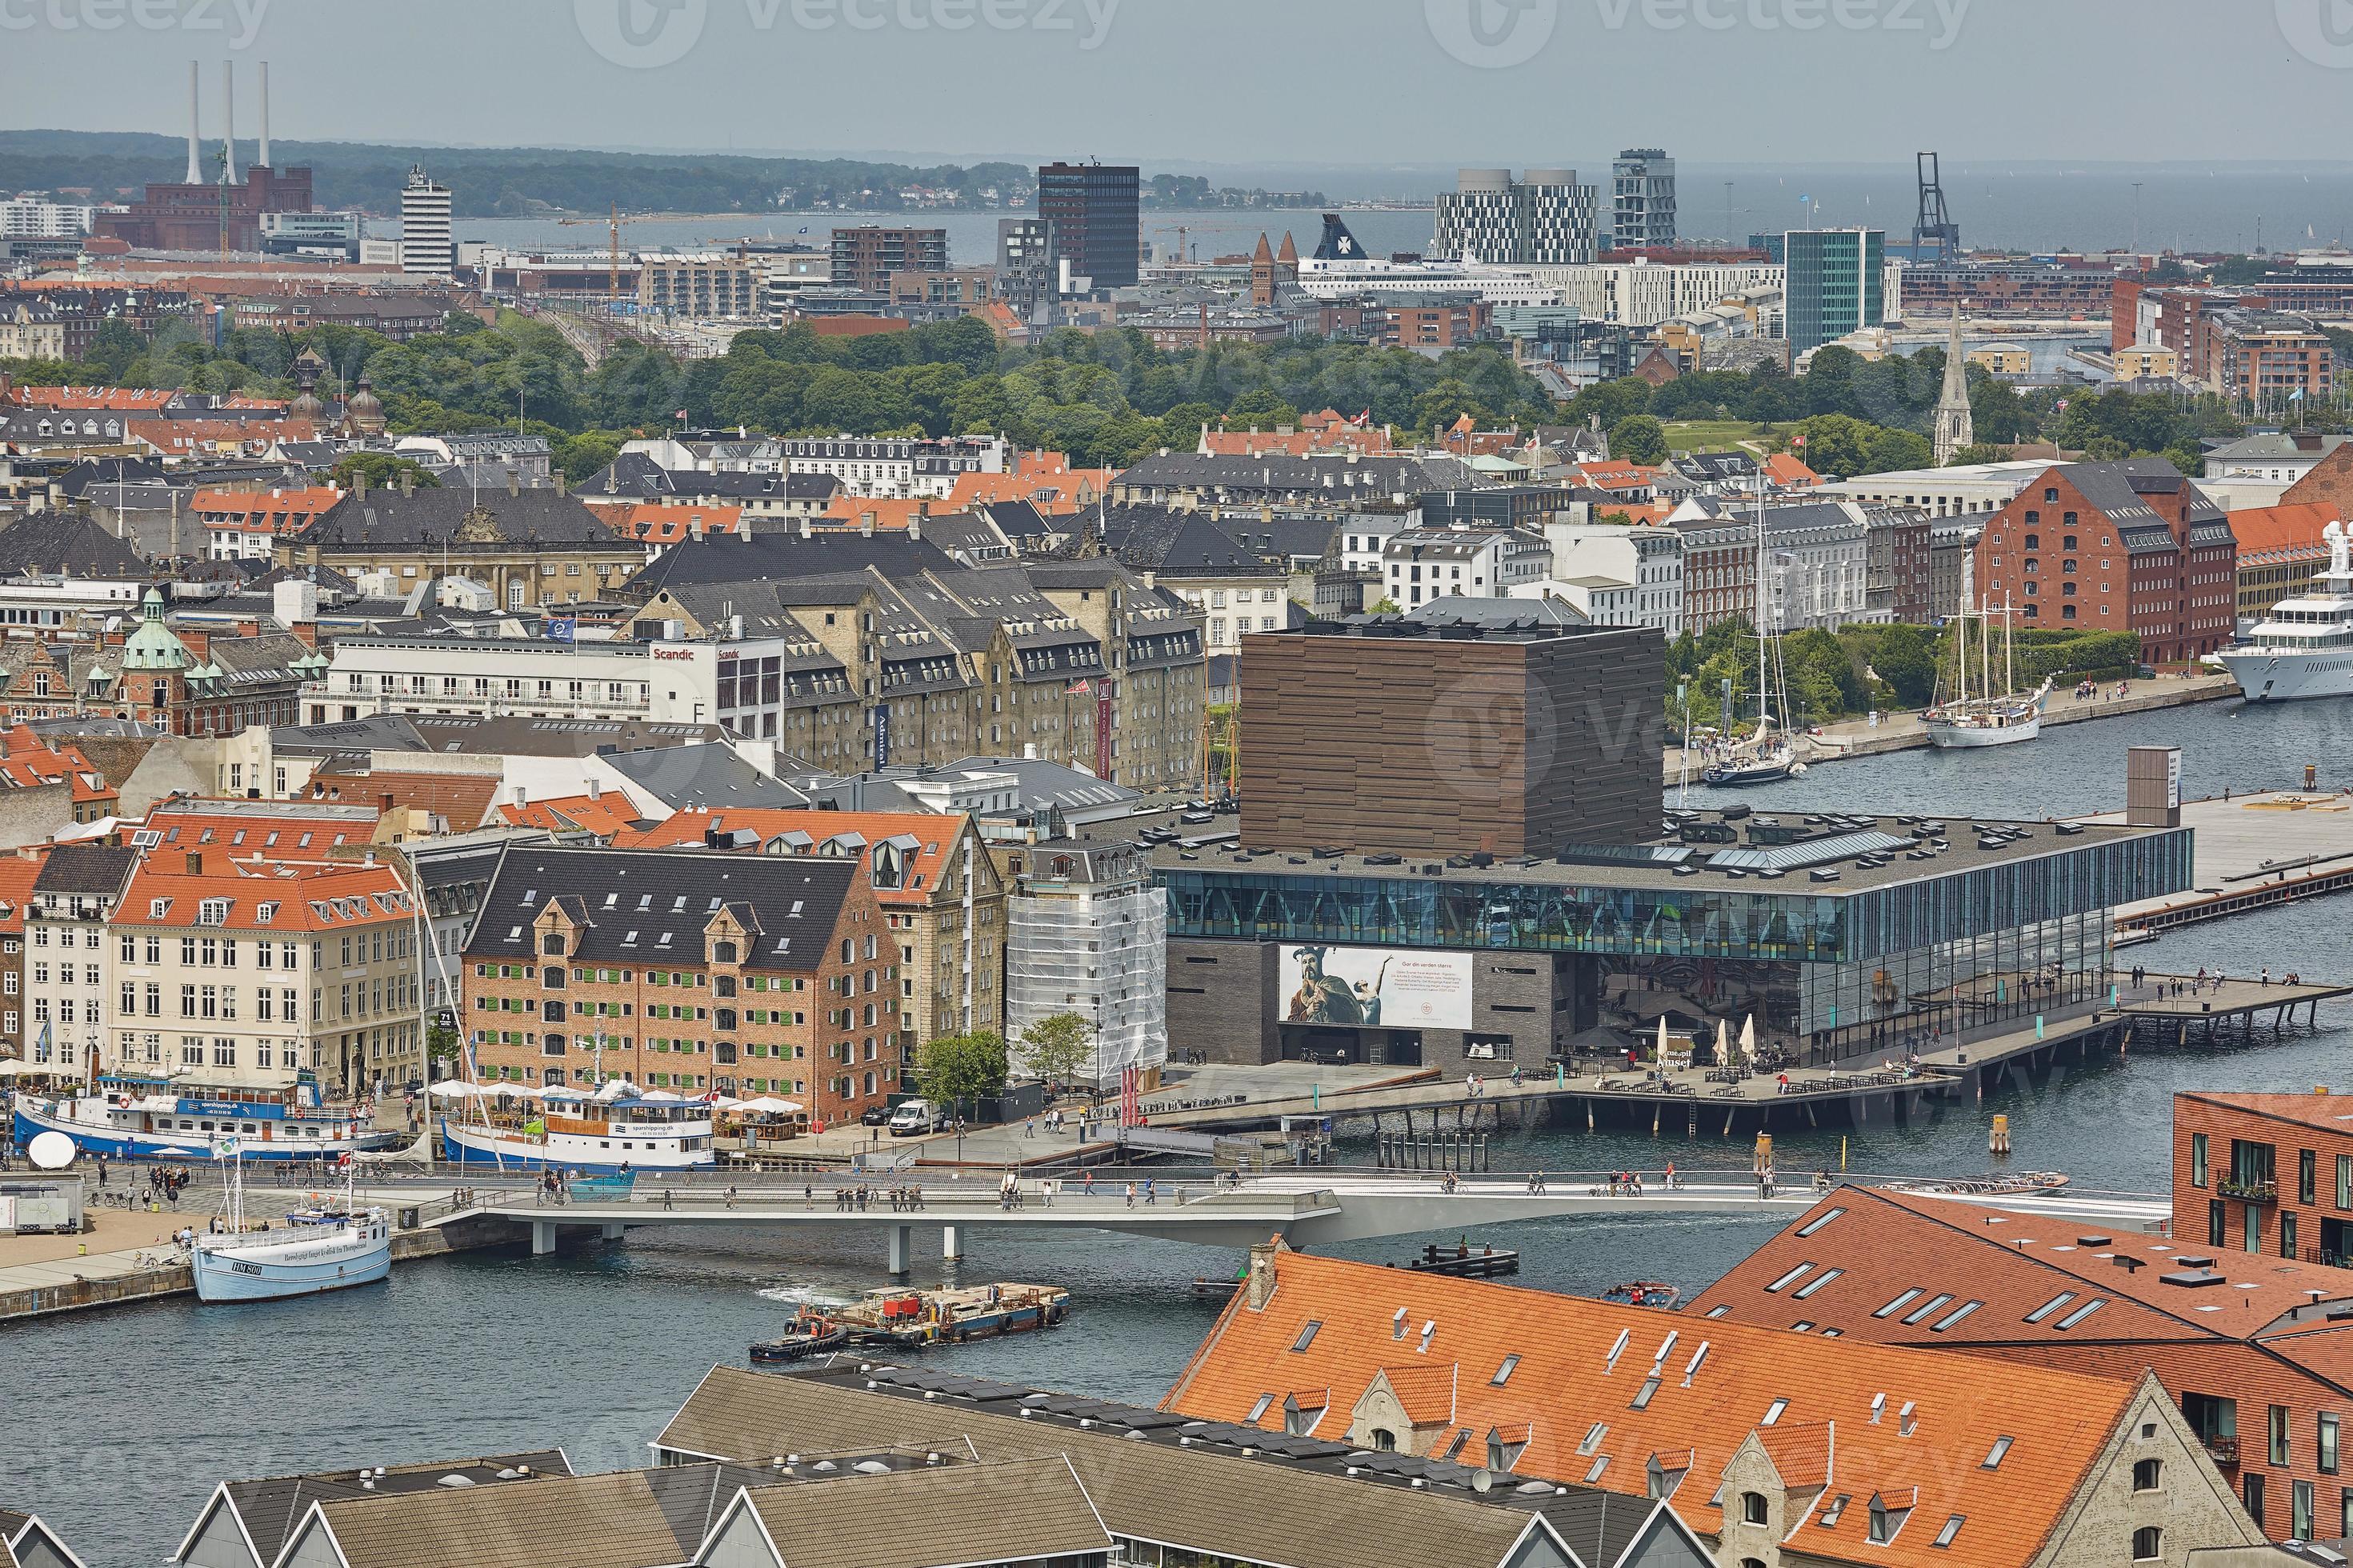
1091	210
1833	284
1838	942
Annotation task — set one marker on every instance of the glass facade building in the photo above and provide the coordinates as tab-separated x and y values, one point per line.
1833	284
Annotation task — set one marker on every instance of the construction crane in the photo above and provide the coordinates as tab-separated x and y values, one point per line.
1934	226
1181	232
614	220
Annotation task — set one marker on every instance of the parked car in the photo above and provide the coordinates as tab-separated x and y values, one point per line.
874	1116
916	1117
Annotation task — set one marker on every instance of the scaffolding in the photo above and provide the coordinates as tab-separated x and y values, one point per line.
1086	932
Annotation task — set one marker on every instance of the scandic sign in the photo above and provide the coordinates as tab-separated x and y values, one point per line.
673	653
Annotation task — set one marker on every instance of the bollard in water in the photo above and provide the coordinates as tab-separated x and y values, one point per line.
1998	1140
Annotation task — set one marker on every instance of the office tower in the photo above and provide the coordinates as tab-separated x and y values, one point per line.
1092	213
1643	200
1544	219
424	242
1834	284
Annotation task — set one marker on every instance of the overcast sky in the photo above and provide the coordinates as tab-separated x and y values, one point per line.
1300	84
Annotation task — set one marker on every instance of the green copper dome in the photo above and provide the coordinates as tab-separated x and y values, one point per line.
153	646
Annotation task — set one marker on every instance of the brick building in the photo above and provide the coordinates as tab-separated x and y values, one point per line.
864	257
2328	483
747	975
2126	546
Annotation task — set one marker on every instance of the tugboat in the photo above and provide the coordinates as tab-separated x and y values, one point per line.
810	1333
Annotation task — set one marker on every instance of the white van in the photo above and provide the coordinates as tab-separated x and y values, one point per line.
915	1118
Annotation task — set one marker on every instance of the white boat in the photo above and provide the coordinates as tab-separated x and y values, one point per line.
315	1251
2303	649
1769	755
618	1127
1990	718
137	1118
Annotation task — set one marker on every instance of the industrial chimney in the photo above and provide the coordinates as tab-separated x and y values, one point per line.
196	162
263	159
228	125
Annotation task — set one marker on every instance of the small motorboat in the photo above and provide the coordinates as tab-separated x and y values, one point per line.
808	1334
1462	1262
1645	1293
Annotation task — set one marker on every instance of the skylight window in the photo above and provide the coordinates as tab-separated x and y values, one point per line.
1503	1372
1952	1527
2081	1312
1307	1336
1814	1225
1927	1308
1784	1282
1817	1282
1260	1408
1594	1474
1897	1305
2050	1306
1995	1454
1955	1315
1643	1395
1773	1411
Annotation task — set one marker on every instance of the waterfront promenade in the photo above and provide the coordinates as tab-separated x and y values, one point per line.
1904	732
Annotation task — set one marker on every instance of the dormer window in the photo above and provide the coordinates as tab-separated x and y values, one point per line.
552	944
212	913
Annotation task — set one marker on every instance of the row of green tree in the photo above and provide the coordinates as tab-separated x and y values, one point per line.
958	1069
1106	398
1863	417
1859	668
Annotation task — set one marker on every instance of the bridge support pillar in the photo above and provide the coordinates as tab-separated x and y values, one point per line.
902	1244
542	1237
952	1243
612	1230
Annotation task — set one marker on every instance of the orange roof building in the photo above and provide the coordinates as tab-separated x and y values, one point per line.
301	830
2280	551
1788	472
2251	1349
660	524
120	399
246	969
609	815
28	762
243	524
1045	480
1778	1447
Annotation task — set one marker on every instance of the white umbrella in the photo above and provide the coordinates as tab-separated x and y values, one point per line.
454	1088
1748	1040
615	1089
725	1102
1662	1040
661	1094
1722	1046
769	1105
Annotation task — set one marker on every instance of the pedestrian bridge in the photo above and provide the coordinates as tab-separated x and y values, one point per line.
1313	1209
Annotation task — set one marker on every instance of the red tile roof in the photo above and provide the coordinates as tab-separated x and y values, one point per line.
1584	1386
18	872
2287	532
463	800
27	762
271	512
262	895
607	815
657	523
194	825
854	832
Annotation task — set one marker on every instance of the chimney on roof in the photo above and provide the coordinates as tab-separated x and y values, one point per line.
1260	1286
195	863
563	485
596	789
514	479
384	801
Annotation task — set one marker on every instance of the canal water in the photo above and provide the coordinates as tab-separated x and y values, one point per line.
117	1423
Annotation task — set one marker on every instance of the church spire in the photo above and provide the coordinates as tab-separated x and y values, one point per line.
1955	428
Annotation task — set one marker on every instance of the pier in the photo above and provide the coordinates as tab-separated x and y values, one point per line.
2276	847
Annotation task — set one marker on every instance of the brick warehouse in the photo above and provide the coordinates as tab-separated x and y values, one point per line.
678	970
1384	734
2253	1347
2128	546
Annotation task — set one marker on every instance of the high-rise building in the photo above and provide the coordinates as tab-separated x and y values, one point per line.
1092	213
1834	284
1025	263
865	256
1643	200
424	242
1544	219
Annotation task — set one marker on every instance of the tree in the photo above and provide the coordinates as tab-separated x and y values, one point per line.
1057	1047
1906	660
1386	606
1980	452
381	469
957	1067
1639	438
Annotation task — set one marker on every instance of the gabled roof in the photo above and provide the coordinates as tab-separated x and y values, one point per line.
97	870
926	839
53	543
265	1511
1595	1380
612	1521
648	906
1014	1510
462	800
437	518
264	896
609	815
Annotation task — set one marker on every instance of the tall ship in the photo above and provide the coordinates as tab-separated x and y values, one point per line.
1989	717
2304	646
316	1250
138	1118
1769	755
619	1127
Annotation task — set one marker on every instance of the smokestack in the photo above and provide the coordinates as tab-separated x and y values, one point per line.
228	125
263	160
196	162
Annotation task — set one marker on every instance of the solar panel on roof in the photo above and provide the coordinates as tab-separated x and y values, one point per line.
1811	852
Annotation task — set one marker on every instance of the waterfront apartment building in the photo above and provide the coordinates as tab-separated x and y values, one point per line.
1643	200
1546	218
705	288
2250	1348
1093	229
940	892
2281	552
1816	566
744	975
230	971
1833	284
75	895
1642	293
2271	365
1779	1449
864	257
2122	546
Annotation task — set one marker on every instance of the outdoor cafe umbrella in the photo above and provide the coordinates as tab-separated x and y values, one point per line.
455	1089
1748	1040
1662	1040
768	1105
1722	1046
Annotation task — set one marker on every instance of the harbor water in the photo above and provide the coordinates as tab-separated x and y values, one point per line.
120	1421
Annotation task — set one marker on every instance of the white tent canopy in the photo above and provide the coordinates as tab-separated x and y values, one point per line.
769	1105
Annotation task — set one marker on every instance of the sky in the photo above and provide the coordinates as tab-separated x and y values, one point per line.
1209	85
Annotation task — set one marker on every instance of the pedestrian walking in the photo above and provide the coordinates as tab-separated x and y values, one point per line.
1131	1194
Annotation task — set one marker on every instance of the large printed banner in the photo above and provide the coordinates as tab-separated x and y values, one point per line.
1376	987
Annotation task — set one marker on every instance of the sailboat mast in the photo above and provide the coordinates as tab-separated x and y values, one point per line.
1761	676
2008	652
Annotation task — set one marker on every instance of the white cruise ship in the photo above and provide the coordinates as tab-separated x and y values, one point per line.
2305	647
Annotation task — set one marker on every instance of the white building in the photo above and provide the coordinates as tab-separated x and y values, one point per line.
1546	218
1604	601
30	217
2282	456
1649	560
1970	489
745	685
1086	932
894	468
424	240
1418	564
1363	535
